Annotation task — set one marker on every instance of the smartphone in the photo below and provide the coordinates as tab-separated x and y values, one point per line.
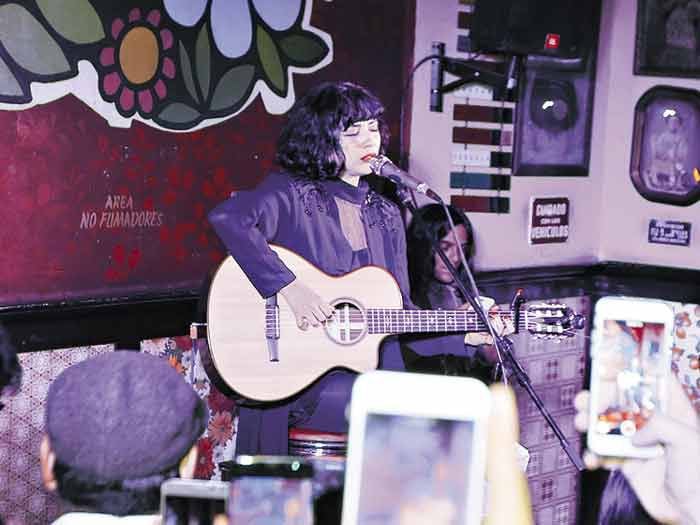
630	366
192	501
270	489
416	447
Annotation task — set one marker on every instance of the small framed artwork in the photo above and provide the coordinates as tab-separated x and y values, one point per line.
553	126
665	164
668	41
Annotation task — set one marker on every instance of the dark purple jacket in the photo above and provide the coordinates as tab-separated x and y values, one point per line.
302	215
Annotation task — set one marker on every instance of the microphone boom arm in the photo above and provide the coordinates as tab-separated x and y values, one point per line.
468	73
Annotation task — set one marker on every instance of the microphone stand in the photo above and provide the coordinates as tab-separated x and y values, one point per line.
503	344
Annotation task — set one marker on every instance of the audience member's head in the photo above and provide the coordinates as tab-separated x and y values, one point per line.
117	426
10	369
430	224
619	504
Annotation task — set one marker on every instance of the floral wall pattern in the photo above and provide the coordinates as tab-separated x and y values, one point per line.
218	443
686	350
175	64
122	123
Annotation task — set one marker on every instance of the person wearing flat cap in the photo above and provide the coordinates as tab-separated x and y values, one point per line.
117	426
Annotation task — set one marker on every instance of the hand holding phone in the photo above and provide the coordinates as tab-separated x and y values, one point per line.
192	501
630	365
668	486
670	483
270	489
416	448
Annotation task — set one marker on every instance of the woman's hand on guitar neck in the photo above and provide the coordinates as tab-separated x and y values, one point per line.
307	305
502	326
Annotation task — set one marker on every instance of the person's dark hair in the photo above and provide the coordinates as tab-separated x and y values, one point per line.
309	143
619	504
421	263
120	498
10	368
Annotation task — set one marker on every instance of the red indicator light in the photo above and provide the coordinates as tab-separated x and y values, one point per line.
551	41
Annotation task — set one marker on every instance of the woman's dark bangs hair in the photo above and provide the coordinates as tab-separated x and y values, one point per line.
356	105
434	216
309	143
458	218
619	504
421	265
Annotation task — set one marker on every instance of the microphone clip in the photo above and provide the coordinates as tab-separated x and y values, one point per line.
382	166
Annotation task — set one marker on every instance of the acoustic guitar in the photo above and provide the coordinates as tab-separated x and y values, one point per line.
259	352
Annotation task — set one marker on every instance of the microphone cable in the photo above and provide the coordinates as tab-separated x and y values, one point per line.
403	158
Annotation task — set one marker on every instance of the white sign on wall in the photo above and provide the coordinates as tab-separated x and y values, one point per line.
549	220
676	233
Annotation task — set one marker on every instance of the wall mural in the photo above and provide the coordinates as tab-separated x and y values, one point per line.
109	156
175	64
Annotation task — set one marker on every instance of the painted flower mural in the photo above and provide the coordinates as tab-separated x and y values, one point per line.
232	21
137	62
178	65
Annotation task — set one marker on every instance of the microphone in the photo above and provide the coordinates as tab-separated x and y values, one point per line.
436	76
382	166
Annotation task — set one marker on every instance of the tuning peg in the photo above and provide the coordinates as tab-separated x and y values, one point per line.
579	321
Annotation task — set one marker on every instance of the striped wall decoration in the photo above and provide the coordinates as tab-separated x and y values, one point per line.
482	133
481	204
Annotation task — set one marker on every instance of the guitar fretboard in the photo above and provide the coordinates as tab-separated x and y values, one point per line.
397	321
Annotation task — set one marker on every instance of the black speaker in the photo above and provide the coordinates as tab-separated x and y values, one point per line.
556	28
553	104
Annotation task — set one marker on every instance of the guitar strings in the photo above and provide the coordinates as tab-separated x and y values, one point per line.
397	320
428	325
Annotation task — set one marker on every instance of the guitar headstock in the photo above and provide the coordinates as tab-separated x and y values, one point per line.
552	320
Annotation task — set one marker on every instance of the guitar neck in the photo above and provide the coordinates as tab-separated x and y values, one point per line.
396	321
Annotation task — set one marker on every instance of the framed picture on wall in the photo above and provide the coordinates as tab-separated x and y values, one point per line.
668	41
553	127
665	164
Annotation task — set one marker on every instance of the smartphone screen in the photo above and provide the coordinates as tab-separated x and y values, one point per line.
271	490
192	510
414	466
631	368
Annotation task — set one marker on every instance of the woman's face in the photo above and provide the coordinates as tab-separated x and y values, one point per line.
359	140
451	249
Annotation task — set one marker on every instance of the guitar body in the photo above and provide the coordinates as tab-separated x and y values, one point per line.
242	328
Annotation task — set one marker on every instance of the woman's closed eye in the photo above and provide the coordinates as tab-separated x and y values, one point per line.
354	129
450	246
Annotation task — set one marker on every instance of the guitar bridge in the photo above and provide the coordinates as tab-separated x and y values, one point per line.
272	327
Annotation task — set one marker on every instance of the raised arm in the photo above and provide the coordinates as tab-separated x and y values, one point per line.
247	222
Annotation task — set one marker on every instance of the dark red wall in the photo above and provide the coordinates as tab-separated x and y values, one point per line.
60	163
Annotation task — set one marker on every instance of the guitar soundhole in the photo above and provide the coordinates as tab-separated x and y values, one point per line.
349	323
